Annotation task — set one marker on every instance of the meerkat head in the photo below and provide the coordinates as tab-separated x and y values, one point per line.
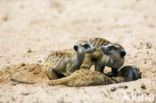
83	46
114	50
130	73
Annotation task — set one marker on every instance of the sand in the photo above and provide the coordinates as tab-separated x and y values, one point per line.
31	29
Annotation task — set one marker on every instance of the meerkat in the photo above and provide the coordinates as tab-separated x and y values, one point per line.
130	73
111	55
85	77
90	59
60	63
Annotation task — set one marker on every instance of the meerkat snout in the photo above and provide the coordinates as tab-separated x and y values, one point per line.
85	47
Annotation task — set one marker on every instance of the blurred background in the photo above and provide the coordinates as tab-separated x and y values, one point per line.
41	26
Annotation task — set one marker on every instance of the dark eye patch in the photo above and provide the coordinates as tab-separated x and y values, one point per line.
75	47
113	48
85	45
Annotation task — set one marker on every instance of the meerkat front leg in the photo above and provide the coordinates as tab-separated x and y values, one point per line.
99	67
70	69
87	62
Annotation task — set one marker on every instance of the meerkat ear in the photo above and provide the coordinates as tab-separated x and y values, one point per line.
122	53
75	47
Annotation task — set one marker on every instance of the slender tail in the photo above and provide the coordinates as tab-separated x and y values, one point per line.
118	79
62	81
24	82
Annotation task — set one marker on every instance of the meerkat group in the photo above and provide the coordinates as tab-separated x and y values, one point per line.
106	54
98	50
72	68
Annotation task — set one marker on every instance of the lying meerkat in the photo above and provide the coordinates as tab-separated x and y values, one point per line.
64	63
111	55
84	77
129	73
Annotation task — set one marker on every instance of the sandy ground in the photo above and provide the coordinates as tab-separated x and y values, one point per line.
31	29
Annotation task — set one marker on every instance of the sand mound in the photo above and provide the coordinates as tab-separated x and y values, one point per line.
23	72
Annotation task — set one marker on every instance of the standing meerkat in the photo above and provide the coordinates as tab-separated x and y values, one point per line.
113	56
60	63
110	54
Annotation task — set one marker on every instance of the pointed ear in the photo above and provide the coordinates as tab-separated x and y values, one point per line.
122	54
75	47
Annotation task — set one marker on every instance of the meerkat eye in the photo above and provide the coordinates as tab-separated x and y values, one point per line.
85	45
113	48
125	74
75	47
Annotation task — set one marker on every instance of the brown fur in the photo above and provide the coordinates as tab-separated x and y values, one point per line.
102	59
130	73
60	63
85	77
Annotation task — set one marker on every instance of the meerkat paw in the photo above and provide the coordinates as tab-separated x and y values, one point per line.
50	82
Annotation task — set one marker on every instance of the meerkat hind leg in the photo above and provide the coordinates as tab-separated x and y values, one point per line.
62	81
52	74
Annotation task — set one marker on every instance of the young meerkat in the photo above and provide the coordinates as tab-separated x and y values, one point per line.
130	73
60	63
111	55
84	77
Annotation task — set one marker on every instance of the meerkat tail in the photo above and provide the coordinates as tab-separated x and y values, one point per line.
24	82
61	81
